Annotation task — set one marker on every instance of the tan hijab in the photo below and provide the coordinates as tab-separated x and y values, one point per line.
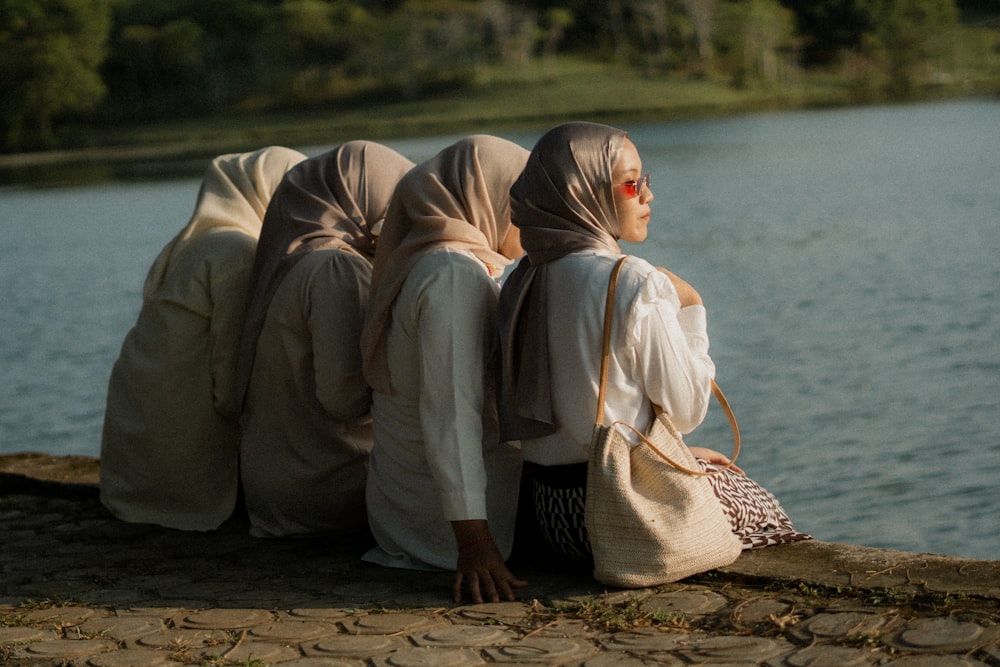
563	202
457	199
234	195
332	201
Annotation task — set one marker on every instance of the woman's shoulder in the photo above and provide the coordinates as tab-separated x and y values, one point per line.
335	256
438	274
596	260
642	283
223	240
329	267
454	261
589	271
586	262
216	255
635	271
638	268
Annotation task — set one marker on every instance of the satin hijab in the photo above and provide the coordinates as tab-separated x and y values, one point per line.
458	199
563	202
233	196
336	200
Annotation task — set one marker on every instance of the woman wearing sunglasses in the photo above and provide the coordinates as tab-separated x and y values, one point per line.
584	190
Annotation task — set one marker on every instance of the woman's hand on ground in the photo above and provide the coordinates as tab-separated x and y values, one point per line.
480	566
482	571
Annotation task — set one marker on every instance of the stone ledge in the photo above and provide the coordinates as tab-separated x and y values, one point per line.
813	562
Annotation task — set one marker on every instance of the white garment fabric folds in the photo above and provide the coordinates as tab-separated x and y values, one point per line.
171	436
659	353
435	459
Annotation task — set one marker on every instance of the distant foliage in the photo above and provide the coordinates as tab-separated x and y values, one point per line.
130	61
761	47
52	50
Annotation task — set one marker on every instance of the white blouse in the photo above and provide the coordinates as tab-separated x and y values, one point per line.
659	353
437	456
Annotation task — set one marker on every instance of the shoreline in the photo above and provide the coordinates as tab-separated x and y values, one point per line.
181	147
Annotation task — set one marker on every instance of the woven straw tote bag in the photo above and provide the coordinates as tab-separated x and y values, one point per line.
650	512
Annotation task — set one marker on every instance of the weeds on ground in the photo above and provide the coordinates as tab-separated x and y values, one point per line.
599	613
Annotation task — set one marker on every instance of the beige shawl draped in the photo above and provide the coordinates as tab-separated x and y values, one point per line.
233	196
333	200
170	439
458	199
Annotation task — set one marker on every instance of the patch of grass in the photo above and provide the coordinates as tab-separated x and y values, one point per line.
48	603
499	99
915	603
601	614
13	621
536	95
76	633
215	661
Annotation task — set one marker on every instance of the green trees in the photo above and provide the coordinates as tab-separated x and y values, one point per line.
761	43
52	50
886	44
177	58
130	61
909	36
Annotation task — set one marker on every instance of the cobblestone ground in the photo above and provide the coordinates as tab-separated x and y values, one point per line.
78	587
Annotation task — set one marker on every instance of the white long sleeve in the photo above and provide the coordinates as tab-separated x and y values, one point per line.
437	455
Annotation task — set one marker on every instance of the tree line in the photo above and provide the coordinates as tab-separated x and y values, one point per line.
129	61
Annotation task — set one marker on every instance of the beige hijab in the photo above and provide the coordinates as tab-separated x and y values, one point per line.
457	199
332	201
563	202
234	195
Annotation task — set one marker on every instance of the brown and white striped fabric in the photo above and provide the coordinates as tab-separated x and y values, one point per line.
755	514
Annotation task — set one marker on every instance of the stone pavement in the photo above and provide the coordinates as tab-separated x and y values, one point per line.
78	587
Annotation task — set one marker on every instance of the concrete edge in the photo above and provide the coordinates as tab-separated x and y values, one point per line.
811	563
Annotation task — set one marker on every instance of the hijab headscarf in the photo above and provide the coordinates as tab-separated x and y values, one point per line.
336	200
233	196
459	199
563	202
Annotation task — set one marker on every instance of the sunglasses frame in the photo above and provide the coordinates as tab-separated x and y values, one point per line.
635	188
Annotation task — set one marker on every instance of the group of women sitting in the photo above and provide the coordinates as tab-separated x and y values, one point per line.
331	344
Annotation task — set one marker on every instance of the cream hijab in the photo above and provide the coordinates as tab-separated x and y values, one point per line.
332	201
457	199
234	195
563	202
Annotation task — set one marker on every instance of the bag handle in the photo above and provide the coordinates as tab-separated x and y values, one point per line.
602	389
609	305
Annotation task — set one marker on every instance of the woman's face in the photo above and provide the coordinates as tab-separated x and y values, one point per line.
633	211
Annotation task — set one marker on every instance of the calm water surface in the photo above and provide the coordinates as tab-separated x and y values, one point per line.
848	260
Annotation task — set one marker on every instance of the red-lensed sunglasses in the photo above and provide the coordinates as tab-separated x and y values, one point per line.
635	188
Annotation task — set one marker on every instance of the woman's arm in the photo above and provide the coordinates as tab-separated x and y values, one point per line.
456	330
669	343
480	566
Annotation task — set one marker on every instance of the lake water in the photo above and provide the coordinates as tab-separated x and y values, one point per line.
849	261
